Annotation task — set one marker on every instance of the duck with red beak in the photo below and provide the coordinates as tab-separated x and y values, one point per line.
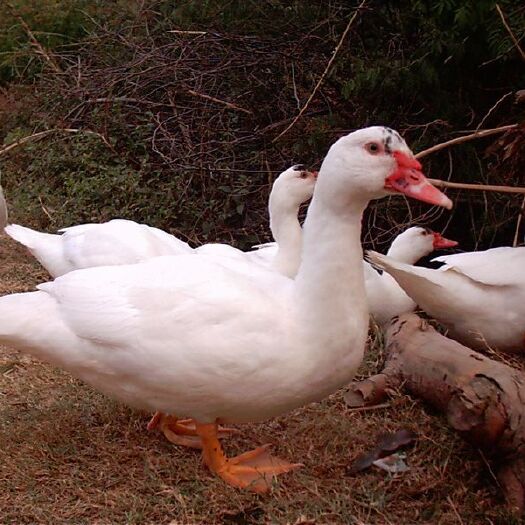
220	341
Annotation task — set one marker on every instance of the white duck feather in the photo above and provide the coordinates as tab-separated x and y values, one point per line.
122	241
478	296
115	242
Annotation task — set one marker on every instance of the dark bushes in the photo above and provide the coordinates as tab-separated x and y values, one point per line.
188	118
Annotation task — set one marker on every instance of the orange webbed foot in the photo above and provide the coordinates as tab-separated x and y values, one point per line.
253	470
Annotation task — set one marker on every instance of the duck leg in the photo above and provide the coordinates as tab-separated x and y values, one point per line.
252	470
182	431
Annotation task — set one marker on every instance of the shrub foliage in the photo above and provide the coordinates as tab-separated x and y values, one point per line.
188	97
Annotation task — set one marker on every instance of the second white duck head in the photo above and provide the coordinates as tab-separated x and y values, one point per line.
292	188
417	242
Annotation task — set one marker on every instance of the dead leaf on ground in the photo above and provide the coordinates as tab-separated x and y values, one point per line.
386	445
393	464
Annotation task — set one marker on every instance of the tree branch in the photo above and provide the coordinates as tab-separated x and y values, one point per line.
509	31
476	187
42	134
477	135
325	72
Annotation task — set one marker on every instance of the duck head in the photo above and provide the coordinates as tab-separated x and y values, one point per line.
293	187
417	242
377	162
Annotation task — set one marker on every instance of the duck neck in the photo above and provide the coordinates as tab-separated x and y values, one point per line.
329	288
288	234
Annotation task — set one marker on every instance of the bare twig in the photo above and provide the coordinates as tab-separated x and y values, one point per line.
493	108
455	510
509	31
518	223
44	209
218	101
325	72
479	187
34	42
370	407
295	88
42	134
181	32
477	135
120	99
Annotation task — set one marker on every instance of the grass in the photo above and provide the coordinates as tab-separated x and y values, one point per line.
70	455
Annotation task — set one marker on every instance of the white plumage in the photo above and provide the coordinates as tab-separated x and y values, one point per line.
121	241
385	297
478	296
118	241
226	340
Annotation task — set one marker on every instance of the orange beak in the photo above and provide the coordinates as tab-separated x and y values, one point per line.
409	180
441	242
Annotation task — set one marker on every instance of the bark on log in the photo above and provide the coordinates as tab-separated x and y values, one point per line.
482	399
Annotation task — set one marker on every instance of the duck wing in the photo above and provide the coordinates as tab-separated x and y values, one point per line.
504	266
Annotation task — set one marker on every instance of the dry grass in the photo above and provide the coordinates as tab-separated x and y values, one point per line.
69	455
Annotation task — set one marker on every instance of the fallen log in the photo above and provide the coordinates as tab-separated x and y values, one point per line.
483	399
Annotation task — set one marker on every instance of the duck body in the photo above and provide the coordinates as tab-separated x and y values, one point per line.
135	332
115	242
262	255
478	296
121	241
226	340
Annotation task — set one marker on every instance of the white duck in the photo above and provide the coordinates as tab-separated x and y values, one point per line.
478	296
118	241
292	188
385	297
121	241
194	336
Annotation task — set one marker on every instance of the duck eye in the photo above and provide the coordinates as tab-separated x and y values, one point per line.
373	148
303	175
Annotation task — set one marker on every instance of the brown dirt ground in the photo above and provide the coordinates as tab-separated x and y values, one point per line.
69	455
